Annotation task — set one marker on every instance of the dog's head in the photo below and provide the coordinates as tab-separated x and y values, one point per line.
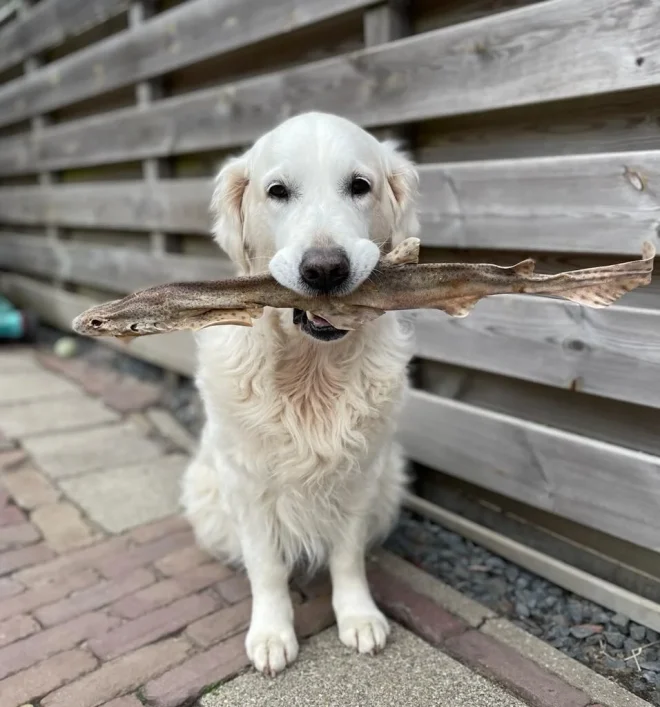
315	201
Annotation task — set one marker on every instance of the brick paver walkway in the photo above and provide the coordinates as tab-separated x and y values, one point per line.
95	604
106	600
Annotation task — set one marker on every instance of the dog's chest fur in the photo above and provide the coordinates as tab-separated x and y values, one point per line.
304	424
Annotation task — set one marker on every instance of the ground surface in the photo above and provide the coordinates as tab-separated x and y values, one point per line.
105	599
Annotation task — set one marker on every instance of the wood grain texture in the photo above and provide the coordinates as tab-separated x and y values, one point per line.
597	204
175	352
613	352
171	205
109	268
624	424
51	23
179	37
606	203
551	51
597	484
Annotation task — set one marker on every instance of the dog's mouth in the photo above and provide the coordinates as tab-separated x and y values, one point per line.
317	327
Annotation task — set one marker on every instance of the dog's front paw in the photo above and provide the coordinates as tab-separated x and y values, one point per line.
271	650
365	633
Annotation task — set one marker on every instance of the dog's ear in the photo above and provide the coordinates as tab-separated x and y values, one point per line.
402	185
228	213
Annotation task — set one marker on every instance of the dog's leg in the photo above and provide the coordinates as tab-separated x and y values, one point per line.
361	624
271	642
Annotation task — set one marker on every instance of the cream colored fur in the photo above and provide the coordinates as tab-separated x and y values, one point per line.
297	463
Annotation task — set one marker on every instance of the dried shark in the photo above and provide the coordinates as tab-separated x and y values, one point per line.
398	283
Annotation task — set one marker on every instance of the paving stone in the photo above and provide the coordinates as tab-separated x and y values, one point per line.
34	385
17	627
94	597
16	536
158	529
182	560
235	588
131	395
407	672
127	701
169	427
63	526
76	452
18	360
42	645
26	601
13	560
508	667
9	588
29	488
221	624
11	515
11	459
121	675
107	551
169	590
28	419
124	497
187	680
313	616
123	562
152	626
414	610
45	677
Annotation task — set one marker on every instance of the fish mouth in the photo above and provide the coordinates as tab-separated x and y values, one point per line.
317	327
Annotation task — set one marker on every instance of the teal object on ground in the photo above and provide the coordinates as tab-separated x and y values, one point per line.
11	324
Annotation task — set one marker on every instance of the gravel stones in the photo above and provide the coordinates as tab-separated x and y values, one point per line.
602	639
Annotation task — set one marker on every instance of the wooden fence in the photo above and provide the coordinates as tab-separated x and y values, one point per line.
536	125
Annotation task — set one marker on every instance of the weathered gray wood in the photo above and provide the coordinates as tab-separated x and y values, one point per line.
603	203
613	421
613	352
175	352
50	23
173	205
113	269
572	204
188	33
550	51
600	485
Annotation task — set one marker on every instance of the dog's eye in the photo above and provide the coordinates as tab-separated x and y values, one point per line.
360	186
278	191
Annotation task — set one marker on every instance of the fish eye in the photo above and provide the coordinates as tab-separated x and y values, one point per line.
134	327
96	323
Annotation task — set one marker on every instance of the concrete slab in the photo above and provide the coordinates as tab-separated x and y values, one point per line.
326	674
77	452
125	497
23	386
18	359
67	413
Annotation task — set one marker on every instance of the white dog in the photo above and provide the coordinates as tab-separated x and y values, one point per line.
297	462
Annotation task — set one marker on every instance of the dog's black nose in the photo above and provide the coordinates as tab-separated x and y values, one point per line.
324	269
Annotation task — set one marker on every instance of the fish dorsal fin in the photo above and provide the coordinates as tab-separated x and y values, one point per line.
524	267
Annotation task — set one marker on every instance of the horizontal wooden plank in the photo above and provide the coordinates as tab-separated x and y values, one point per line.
602	203
113	269
50	23
613	352
175	351
170	205
613	421
555	50
586	203
600	485
188	33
